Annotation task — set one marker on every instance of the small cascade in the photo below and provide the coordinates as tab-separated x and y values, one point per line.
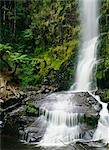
63	124
102	131
62	129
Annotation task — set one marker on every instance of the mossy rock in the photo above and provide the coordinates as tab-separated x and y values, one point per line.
106	96
91	120
31	109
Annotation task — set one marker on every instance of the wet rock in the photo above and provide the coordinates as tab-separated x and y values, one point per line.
47	89
88	135
35	132
1	124
91	143
25	121
104	95
108	106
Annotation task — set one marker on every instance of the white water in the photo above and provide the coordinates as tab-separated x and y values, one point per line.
63	124
102	131
86	67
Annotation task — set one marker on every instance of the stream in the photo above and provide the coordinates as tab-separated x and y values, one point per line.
13	143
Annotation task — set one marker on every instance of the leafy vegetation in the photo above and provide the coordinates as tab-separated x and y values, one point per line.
31	109
103	46
39	41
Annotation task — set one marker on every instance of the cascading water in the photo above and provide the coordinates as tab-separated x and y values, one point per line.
64	126
85	74
63	121
102	131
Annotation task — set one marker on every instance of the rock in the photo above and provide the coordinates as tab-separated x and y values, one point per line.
1	124
88	134
1	101
32	88
104	95
91	143
108	106
35	132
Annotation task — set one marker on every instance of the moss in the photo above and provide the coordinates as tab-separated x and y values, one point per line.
31	109
57	59
91	121
106	96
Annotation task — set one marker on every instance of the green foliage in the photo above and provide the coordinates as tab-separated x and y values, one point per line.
103	47
28	76
5	48
43	36
55	24
39	39
91	120
106	96
31	109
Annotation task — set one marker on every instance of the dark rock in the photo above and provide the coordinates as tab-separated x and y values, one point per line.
103	95
35	132
88	135
108	106
91	143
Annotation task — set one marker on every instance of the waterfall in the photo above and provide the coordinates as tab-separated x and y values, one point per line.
86	67
64	123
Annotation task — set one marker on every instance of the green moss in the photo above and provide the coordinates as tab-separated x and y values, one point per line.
53	59
106	96
31	109
91	121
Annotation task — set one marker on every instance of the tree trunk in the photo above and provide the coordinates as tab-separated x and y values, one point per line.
15	69
9	67
0	21
14	27
4	12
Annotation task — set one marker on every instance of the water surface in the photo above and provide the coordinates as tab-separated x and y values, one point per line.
13	143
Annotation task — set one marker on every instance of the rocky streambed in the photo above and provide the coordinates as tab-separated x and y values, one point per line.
22	117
